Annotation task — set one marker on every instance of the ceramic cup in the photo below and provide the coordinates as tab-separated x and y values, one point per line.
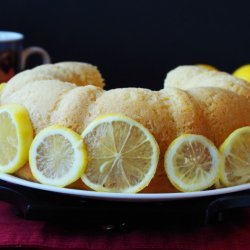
12	55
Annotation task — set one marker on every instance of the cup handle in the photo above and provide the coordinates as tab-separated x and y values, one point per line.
34	50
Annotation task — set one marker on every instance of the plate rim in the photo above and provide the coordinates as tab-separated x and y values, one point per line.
138	197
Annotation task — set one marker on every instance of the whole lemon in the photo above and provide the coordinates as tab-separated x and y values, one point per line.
207	66
243	72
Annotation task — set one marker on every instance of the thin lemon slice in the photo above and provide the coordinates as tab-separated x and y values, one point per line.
123	155
57	156
192	163
16	135
236	153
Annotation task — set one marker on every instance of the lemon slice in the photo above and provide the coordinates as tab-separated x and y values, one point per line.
192	163
123	155
16	135
57	156
236	153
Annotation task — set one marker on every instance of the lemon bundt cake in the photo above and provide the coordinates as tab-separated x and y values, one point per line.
194	100
72	110
223	111
39	98
186	77
78	73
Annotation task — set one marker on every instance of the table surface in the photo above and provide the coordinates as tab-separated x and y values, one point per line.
18	232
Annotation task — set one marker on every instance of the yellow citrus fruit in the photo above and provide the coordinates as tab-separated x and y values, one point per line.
16	135
123	155
2	85
207	66
192	163
218	184
236	153
58	156
243	72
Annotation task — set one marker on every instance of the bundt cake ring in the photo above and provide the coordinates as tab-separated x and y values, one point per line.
194	100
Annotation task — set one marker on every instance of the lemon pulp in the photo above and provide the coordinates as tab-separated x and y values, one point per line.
236	154
8	139
16	135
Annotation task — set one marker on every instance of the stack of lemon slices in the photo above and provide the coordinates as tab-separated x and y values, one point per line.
117	154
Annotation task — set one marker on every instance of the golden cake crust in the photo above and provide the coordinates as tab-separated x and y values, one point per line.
40	99
73	108
223	110
80	74
186	77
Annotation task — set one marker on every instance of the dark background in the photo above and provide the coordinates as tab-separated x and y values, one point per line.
134	42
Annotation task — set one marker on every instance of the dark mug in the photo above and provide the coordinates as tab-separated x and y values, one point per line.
12	55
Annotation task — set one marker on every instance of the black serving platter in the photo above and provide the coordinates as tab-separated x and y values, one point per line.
32	204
